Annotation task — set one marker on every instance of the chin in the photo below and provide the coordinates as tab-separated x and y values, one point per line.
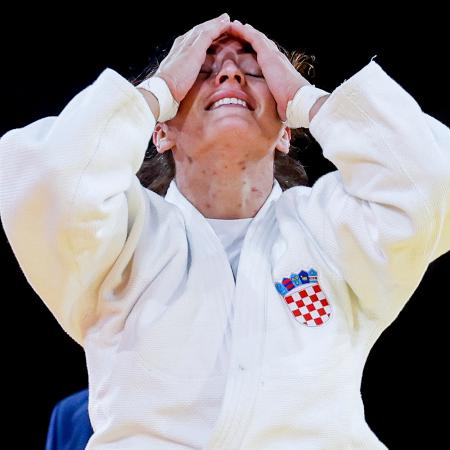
233	125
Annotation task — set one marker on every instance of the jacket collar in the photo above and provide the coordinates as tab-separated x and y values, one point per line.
175	196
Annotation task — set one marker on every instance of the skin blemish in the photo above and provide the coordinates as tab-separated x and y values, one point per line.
243	167
190	160
204	172
208	205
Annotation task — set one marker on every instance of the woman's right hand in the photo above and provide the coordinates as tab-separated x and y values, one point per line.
180	68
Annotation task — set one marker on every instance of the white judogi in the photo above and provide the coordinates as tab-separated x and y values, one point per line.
179	354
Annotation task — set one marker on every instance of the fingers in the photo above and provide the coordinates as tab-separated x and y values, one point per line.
223	18
256	38
209	29
212	24
201	36
181	66
216	27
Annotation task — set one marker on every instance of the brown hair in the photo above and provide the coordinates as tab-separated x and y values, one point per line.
158	170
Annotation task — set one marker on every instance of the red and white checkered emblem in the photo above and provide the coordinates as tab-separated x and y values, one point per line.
309	305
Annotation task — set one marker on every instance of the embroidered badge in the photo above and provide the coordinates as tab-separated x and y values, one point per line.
305	298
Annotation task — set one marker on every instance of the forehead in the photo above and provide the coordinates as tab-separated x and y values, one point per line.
242	46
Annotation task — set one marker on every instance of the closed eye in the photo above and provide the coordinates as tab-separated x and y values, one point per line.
249	74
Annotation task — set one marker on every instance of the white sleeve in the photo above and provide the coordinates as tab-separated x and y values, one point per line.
69	196
384	215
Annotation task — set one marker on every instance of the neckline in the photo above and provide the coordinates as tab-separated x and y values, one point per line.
175	196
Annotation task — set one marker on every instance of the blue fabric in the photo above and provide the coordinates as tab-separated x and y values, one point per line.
70	427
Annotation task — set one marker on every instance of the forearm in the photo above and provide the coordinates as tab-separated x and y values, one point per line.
317	105
152	102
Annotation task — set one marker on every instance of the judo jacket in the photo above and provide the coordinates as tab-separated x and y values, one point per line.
179	354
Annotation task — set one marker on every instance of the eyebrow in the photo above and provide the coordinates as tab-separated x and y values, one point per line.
245	48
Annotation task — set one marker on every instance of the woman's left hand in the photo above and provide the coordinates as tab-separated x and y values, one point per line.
282	78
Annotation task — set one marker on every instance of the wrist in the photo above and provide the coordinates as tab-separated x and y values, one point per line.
303	105
152	102
168	106
317	105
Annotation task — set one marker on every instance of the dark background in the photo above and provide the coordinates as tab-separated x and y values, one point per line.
48	57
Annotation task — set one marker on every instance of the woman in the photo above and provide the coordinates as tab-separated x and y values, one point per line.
184	347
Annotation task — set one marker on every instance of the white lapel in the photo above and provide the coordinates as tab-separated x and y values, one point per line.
200	232
245	302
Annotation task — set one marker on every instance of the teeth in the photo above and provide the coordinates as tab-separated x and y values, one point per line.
227	101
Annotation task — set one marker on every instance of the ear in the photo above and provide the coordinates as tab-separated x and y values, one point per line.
161	138
284	141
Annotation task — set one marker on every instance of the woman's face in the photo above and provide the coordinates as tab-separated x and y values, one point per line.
227	131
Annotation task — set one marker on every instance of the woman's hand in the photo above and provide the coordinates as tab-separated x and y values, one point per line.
180	68
282	78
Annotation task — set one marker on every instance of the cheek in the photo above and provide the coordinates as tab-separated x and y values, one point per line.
186	113
191	106
192	95
265	95
188	126
269	103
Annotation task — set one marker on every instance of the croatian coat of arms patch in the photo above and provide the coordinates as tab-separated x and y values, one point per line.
305	298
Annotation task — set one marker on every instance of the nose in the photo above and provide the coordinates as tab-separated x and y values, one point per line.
230	71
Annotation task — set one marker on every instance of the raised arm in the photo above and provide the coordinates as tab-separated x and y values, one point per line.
384	215
71	205
69	196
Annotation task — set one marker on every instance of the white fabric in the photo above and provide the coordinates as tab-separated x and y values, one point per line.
297	111
231	233
168	106
179	355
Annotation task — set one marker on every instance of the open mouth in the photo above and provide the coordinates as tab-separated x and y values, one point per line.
231	105
241	104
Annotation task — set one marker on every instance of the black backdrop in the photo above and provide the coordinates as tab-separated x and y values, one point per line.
48	57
